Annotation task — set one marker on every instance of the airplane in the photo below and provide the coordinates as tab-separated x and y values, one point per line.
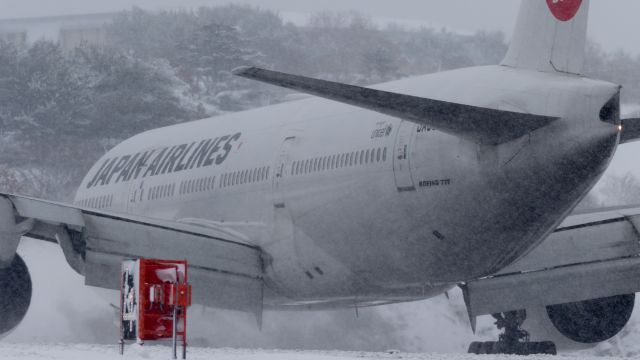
365	196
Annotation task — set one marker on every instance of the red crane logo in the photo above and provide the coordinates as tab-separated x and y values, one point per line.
564	10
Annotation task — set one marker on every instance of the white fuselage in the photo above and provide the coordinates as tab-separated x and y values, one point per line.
348	203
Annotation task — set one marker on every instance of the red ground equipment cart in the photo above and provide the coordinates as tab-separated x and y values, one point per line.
154	298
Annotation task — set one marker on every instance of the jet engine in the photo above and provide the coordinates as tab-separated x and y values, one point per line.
15	294
580	325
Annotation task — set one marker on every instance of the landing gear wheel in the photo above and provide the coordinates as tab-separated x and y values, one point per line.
514	340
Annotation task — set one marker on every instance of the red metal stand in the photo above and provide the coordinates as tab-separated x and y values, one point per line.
154	298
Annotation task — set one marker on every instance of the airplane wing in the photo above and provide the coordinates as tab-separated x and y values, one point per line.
590	255
483	125
226	272
630	130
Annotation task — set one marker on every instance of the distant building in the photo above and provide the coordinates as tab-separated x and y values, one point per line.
68	30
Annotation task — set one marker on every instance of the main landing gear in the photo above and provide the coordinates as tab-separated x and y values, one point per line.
514	340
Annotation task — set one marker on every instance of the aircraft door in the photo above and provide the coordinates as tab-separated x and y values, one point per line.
282	162
137	191
402	156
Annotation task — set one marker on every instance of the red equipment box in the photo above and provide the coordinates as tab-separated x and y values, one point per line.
153	292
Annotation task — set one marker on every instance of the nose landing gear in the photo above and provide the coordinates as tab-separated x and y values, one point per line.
514	340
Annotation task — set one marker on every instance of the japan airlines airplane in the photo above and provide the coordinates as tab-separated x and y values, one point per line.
369	196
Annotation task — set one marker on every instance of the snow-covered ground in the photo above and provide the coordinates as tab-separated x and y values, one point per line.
64	311
10	351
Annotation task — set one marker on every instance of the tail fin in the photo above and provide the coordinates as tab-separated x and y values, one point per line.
550	36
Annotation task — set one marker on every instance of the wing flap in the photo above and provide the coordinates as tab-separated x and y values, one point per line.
552	286
591	255
226	272
482	125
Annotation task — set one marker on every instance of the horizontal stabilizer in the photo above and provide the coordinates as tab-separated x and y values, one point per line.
482	125
630	130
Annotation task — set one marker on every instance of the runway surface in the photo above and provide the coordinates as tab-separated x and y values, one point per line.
11	351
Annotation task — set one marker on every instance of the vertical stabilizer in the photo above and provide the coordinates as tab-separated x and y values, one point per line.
550	36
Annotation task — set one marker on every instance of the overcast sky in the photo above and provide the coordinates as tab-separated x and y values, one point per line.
613	22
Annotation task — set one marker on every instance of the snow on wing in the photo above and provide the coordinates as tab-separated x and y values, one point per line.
96	242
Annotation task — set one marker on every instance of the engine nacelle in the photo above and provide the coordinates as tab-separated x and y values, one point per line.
580	325
15	294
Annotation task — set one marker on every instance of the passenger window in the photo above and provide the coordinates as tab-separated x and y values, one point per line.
361	157
315	165
366	157
378	154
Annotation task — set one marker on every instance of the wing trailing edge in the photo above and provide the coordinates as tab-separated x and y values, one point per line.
478	124
630	130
